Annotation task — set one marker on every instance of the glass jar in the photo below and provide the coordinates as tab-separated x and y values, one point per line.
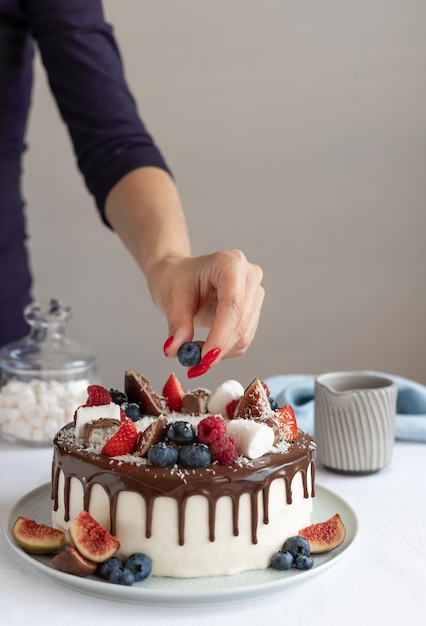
43	377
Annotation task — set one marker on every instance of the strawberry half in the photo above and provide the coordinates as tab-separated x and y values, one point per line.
173	392
123	441
287	423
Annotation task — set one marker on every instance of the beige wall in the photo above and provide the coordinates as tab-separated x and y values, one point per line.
297	132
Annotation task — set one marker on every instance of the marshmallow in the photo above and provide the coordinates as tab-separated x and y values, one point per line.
223	395
87	414
254	439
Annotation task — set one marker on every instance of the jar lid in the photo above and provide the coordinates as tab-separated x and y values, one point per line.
46	350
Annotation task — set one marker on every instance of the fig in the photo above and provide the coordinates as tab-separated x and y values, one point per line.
325	536
91	539
71	561
141	392
37	538
254	402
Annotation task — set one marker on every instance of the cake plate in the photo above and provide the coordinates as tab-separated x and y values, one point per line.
186	592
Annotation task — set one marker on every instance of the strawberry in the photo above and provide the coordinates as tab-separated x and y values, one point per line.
230	408
287	423
123	441
173	392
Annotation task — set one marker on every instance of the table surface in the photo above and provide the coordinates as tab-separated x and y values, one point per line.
380	581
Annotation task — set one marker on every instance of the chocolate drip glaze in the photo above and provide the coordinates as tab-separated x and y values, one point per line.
150	482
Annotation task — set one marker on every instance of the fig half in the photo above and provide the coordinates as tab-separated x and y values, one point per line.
71	561
325	536
91	539
37	538
140	391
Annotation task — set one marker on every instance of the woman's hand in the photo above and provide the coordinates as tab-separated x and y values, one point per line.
221	291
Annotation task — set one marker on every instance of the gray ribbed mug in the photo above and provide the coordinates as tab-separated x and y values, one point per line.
354	421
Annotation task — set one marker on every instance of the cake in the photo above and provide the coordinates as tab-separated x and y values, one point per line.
226	499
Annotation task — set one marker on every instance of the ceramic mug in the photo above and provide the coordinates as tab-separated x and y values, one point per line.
355	421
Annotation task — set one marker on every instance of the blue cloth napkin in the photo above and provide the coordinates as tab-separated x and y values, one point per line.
298	390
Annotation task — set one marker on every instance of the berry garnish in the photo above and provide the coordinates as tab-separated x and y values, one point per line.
104	569
180	433
140	564
163	454
133	411
194	455
189	353
117	396
230	409
123	441
224	450
297	545
286	420
282	560
173	392
211	428
122	576
303	561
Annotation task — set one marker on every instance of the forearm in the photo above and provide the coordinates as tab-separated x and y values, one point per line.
145	211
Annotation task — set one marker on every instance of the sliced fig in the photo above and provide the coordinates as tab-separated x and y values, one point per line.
254	404
149	436
91	539
37	538
325	536
139	390
71	561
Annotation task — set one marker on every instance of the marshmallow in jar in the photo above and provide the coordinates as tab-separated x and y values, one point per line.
43	377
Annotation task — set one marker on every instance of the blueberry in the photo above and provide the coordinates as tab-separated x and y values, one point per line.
282	560
297	545
132	410
181	433
104	569
189	354
122	576
273	404
303	561
195	455
119	397
163	454
140	564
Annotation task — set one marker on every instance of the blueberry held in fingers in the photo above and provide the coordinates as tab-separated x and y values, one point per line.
189	353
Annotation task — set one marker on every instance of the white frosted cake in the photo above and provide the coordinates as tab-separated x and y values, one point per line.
212	488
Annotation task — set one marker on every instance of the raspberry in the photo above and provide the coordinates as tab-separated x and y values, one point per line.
224	450
211	428
97	395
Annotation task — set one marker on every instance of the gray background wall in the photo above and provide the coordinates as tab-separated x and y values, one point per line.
297	132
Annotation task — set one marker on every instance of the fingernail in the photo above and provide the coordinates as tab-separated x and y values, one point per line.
167	345
197	370
210	357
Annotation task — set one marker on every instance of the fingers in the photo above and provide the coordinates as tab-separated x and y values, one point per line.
222	292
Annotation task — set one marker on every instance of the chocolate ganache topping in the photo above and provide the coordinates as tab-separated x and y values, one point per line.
214	482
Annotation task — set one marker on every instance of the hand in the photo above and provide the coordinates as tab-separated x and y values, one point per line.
221	291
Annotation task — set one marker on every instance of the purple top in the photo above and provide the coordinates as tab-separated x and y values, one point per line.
85	74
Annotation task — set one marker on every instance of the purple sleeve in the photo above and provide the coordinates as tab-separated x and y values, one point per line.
86	76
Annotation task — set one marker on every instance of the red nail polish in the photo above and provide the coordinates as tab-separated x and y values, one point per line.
197	370
210	357
167	345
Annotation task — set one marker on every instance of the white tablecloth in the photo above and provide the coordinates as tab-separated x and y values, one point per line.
382	580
